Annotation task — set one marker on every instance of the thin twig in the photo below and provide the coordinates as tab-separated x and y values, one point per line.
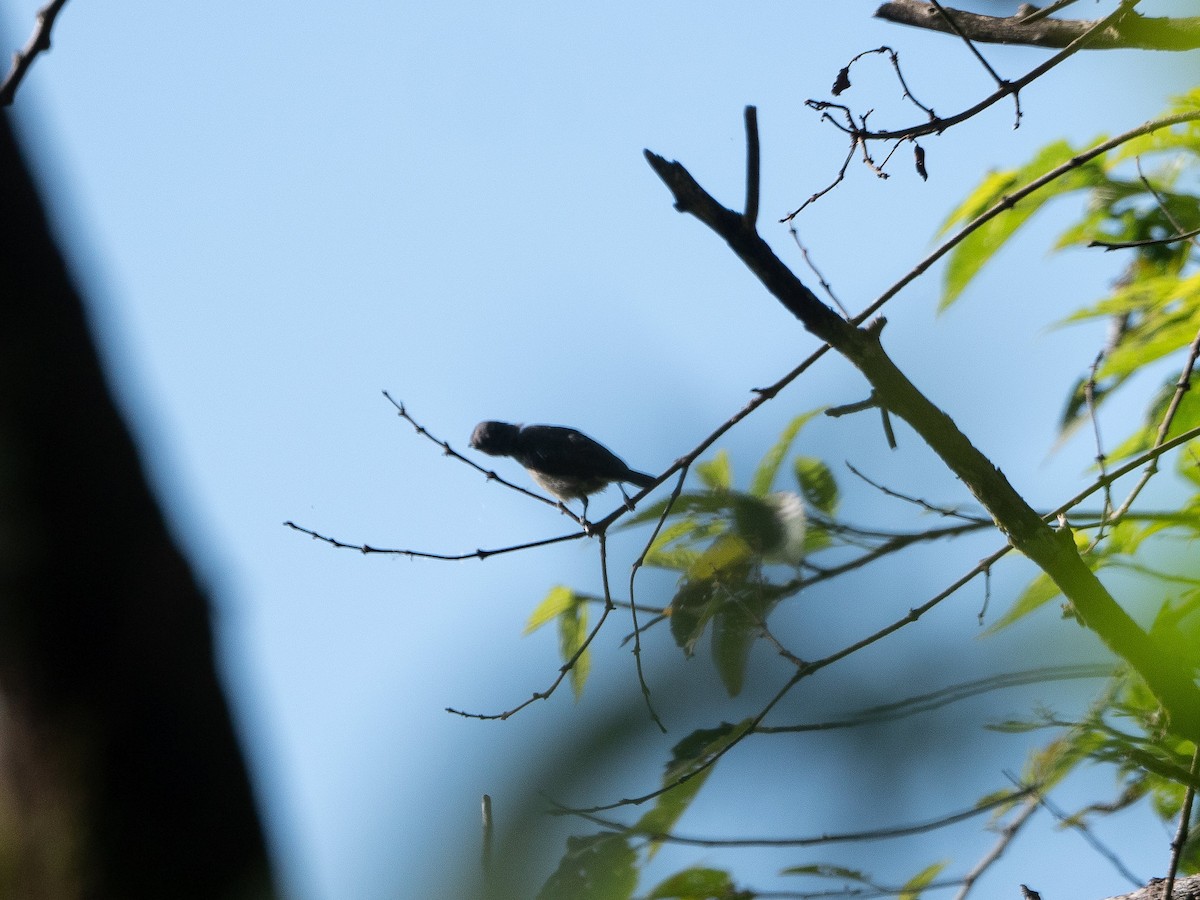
1089	396
633	609
923	703
1181	388
1039	14
448	450
425	554
941	124
848	837
1185	824
566	667
39	42
808	261
917	501
1147	242
1086	833
949	20
1007	834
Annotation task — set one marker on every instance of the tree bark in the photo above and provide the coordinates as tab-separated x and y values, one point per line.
1133	31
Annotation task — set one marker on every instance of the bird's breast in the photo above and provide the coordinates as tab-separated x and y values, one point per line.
568	487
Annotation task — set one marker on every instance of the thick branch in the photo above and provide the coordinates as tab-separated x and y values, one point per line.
1133	31
1052	550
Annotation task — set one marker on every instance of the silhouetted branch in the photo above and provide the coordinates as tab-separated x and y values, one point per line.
39	42
570	664
1147	242
847	837
859	133
426	554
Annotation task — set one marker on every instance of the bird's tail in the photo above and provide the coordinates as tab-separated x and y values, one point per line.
640	479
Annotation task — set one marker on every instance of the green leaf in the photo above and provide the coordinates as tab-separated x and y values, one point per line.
716	473
728	554
693	753
1187	417
690	760
768	468
688	503
572	632
559	600
1039	592
822	870
667	809
675	546
920	881
736	626
817	484
717	574
983	243
694	884
596	867
694	604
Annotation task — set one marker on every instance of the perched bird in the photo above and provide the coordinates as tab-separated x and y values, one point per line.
567	463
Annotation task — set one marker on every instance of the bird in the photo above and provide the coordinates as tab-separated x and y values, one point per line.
566	462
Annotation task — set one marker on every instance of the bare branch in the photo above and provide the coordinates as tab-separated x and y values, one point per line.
968	40
1133	31
39	42
426	554
923	703
1007	834
874	834
1181	834
1148	242
859	133
567	666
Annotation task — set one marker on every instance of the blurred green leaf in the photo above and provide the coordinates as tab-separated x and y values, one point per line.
572	632
694	884
768	468
716	473
717	574
676	546
821	870
981	245
736	626
727	555
817	484
689	761
596	867
1040	591
558	600
920	881
694	604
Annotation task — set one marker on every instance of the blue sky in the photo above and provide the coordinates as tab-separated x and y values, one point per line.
280	211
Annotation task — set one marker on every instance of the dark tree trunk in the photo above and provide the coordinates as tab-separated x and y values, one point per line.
120	773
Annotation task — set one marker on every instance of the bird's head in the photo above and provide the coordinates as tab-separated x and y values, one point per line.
495	438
